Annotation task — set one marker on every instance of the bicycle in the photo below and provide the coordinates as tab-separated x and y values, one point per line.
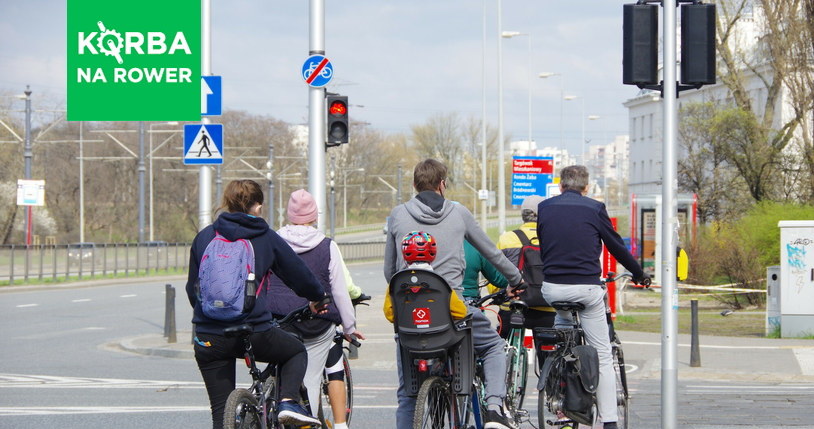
256	407
326	414
516	355
553	409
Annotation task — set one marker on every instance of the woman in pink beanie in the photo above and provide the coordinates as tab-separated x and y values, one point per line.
322	256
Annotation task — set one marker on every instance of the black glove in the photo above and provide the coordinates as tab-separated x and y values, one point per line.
644	281
360	299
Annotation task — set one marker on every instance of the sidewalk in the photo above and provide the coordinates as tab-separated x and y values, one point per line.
722	358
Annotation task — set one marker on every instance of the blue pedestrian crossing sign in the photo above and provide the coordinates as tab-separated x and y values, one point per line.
203	144
211	95
317	71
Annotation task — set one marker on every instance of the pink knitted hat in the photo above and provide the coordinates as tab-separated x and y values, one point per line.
302	208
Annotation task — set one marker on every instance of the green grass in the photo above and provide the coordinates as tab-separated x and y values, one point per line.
710	322
48	280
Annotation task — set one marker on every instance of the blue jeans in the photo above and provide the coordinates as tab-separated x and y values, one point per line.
488	346
595	327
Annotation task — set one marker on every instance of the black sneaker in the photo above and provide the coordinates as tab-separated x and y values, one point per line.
496	420
610	425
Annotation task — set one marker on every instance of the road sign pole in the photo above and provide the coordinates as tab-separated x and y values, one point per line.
669	227
205	173
316	115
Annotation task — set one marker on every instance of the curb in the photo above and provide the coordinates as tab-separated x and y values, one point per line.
155	345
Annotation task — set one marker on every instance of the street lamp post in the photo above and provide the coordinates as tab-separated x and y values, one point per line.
345	194
28	154
509	35
582	120
546	75
152	235
501	168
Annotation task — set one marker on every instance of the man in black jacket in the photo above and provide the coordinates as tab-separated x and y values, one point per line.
571	228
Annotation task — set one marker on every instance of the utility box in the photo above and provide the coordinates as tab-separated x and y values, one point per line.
796	278
772	299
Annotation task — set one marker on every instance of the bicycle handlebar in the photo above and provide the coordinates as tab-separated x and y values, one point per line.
305	312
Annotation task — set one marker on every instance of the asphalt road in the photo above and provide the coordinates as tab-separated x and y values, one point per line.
60	366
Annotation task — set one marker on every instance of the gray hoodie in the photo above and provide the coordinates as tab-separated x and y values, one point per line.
303	238
449	224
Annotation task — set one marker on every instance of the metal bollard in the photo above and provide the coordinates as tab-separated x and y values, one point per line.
695	348
169	315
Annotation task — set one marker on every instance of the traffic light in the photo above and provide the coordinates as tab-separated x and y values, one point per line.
698	44
640	28
337	120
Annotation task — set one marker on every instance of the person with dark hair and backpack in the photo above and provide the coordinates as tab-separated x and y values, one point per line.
322	256
229	265
522	247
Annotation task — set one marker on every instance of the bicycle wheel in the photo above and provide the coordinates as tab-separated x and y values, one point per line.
516	378
434	408
326	415
622	396
242	411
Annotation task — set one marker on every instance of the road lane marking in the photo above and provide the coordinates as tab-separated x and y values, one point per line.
132	295
52	382
81	300
646	343
44	411
27	305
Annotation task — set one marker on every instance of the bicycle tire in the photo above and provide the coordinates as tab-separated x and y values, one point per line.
622	396
325	412
434	406
241	411
516	378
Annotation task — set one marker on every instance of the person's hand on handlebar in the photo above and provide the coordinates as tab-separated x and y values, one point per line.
321	306
357	334
644	281
514	291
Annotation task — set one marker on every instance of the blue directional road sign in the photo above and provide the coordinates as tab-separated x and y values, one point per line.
211	96
317	71
203	144
530	176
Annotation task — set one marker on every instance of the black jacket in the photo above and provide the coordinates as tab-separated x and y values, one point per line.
571	229
271	253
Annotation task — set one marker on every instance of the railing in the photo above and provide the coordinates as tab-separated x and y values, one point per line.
20	263
44	263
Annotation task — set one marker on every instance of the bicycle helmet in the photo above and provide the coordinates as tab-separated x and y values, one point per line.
418	246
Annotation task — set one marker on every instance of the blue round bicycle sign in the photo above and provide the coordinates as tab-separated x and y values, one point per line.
317	71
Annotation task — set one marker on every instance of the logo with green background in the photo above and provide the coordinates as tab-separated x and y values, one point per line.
134	61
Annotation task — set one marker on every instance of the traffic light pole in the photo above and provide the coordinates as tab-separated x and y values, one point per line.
316	114
669	227
205	173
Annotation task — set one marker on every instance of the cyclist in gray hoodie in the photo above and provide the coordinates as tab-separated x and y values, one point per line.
450	224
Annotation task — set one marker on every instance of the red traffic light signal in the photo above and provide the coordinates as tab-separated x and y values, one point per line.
337	125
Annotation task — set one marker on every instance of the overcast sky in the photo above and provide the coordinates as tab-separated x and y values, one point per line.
400	62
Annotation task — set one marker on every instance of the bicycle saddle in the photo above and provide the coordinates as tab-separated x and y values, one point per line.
238	331
568	305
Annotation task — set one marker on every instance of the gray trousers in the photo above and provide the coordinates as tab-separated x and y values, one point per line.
595	327
489	347
317	349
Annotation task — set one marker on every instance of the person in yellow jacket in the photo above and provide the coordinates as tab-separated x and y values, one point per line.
511	245
418	248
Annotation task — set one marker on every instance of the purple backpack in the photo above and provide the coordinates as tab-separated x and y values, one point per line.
225	265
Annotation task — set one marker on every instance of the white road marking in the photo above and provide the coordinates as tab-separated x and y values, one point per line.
645	343
58	382
81	300
50	410
27	305
132	295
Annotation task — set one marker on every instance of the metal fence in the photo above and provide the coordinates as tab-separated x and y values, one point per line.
40	263
20	263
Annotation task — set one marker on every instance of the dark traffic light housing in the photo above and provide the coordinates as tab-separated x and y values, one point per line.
338	126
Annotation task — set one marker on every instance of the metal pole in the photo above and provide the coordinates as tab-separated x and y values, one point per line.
28	154
205	173
669	294
484	202
150	154
695	347
81	185
141	170
332	204
218	183
501	171
529	60
345	199
398	193
582	142
270	177
316	115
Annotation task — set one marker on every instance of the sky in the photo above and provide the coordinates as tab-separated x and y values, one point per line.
399	62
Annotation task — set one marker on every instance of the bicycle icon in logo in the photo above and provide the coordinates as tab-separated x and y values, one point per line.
317	71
